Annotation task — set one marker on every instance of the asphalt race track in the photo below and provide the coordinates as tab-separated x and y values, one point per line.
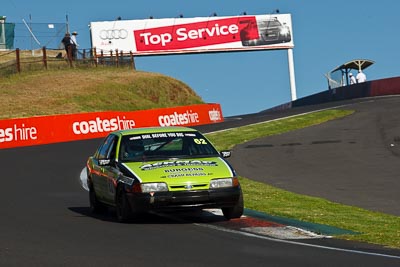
354	161
45	219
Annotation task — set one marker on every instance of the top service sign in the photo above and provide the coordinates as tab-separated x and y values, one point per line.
193	35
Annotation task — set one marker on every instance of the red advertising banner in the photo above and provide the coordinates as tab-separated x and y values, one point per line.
71	127
190	35
197	34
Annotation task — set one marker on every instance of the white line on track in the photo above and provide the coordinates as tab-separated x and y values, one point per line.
295	242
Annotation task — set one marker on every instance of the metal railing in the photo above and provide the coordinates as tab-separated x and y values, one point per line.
17	61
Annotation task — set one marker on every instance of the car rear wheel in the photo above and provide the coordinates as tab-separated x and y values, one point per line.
95	205
235	211
123	209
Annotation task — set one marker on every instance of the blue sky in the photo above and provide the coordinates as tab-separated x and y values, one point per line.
325	33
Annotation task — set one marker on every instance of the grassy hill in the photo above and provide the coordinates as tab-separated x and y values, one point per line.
68	91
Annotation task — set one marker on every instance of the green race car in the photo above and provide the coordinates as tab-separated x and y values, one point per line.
161	168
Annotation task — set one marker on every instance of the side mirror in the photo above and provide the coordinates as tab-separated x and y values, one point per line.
225	153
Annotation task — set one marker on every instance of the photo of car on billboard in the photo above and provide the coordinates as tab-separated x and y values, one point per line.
264	32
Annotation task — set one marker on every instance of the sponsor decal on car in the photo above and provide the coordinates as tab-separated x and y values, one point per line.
165	164
208	168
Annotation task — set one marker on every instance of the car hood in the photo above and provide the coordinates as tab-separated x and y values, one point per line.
178	171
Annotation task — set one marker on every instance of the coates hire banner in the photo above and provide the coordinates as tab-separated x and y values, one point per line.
192	35
64	128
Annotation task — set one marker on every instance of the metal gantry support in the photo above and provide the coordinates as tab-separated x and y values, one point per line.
291	74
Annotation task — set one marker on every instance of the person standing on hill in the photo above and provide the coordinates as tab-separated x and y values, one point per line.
352	78
74	45
361	77
67	42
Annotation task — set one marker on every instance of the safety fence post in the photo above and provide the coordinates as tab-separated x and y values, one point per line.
94	56
44	57
18	61
116	58
102	57
121	54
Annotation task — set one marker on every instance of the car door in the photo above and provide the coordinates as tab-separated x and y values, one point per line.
111	173
102	171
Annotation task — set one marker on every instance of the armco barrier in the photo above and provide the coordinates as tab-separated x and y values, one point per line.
62	128
336	94
389	86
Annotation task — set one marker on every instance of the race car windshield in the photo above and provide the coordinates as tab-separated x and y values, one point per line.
165	145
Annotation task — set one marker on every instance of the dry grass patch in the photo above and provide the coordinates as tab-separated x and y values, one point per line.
89	90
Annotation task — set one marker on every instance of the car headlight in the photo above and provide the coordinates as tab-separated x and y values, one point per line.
153	187
220	183
284	31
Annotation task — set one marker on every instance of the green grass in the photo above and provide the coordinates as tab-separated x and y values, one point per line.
373	227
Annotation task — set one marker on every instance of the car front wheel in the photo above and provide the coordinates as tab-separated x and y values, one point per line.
123	209
235	211
95	206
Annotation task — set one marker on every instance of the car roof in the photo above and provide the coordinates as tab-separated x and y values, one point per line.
145	130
